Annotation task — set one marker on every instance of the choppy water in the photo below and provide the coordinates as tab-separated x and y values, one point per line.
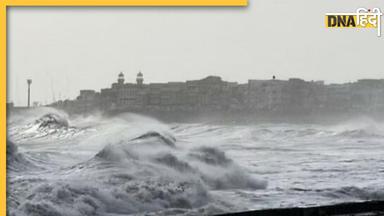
132	164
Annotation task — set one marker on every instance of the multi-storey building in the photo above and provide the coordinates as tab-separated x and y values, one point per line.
213	94
367	95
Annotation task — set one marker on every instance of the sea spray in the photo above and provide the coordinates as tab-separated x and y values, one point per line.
130	165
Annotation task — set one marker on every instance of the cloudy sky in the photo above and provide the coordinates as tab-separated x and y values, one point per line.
67	49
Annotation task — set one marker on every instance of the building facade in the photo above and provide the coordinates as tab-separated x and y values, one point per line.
213	94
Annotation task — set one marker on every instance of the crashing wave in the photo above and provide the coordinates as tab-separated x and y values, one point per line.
49	125
113	153
173	162
221	172
211	156
144	174
165	138
98	198
125	150
17	161
52	120
119	172
362	127
208	164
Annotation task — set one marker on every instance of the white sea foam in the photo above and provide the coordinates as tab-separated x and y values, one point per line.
125	165
131	164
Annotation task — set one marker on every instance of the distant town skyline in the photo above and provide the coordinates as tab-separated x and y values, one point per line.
64	50
61	97
212	93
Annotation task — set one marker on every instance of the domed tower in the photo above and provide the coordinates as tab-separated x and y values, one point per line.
120	79
139	78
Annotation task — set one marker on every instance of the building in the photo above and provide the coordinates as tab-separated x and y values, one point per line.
213	94
338	97
367	95
294	95
265	95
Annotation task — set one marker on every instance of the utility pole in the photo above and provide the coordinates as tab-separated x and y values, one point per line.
29	81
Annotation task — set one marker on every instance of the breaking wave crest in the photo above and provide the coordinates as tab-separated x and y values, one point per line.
52	120
49	125
204	164
360	128
137	169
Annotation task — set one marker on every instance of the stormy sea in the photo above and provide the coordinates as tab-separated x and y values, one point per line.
135	165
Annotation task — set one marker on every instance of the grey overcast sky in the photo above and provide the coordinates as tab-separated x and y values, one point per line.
67	49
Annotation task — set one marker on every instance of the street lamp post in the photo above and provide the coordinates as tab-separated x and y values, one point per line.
29	82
